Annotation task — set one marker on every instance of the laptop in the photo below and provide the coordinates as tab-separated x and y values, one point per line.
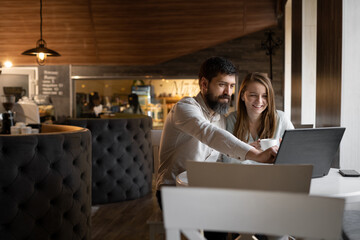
287	178
315	146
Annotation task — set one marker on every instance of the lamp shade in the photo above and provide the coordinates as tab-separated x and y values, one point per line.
41	52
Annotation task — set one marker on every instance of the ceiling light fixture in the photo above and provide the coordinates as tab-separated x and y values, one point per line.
41	51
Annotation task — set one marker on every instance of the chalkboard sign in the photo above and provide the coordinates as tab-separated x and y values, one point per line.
50	84
54	81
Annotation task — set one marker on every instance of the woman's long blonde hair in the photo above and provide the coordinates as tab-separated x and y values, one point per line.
268	116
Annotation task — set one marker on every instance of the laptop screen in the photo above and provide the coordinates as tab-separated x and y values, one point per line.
315	146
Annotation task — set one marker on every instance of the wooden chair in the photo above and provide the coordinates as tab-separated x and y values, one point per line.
155	221
155	140
272	213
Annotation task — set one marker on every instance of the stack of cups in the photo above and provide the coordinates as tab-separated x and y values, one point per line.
15	130
25	130
21	128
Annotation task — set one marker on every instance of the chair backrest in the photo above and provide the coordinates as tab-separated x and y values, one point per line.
155	140
274	213
287	178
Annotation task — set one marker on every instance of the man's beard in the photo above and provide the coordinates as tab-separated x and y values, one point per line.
215	105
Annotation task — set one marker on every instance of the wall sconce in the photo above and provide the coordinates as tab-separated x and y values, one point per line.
41	51
7	64
270	44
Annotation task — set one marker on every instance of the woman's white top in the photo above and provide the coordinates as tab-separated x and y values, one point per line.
282	123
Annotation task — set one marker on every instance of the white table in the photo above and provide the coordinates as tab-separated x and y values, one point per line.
335	185
331	185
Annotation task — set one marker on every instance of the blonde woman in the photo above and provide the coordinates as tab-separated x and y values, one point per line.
257	117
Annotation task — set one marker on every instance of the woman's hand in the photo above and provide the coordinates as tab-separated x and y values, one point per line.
256	144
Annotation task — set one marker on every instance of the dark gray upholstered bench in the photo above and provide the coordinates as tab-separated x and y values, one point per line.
122	160
45	190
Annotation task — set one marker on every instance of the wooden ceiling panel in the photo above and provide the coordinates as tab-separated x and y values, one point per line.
126	32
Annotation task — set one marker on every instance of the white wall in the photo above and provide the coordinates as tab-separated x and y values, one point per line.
308	71
287	78
350	95
308	62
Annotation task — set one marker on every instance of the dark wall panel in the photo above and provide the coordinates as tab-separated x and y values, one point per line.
296	62
329	43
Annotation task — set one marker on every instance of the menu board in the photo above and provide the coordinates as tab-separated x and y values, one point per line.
50	84
54	81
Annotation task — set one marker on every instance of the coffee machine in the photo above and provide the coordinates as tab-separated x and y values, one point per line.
8	102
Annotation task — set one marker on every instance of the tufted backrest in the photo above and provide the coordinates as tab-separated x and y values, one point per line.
45	190
121	158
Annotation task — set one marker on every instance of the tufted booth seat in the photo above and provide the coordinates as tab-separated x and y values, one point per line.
121	158
45	184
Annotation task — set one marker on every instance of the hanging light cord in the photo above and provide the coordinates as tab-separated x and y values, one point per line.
41	51
41	19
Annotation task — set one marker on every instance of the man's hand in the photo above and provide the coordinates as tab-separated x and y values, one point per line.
267	156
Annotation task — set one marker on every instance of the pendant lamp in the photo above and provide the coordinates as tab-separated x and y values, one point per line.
41	51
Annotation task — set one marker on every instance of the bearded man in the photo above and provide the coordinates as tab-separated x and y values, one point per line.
195	127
